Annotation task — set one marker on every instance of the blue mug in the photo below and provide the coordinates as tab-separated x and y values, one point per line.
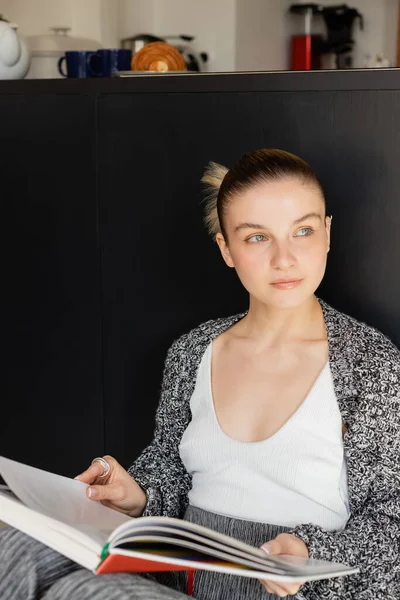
110	61
80	64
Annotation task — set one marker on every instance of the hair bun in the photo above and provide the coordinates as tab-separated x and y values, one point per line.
213	176
212	179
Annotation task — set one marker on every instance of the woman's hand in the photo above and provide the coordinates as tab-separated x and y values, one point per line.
284	543
118	490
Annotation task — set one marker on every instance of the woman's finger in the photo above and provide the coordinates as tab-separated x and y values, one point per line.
113	492
283	589
274	588
91	474
291	589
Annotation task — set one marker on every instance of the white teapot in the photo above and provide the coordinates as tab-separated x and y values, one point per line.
14	56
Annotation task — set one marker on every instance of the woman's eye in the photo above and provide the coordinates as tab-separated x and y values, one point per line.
305	231
257	238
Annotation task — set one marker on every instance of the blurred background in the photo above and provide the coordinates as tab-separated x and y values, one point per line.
220	35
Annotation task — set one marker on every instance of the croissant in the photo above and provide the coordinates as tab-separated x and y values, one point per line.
158	56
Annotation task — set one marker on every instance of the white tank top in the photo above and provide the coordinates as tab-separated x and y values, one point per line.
298	475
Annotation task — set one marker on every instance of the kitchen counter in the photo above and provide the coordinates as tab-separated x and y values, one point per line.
354	79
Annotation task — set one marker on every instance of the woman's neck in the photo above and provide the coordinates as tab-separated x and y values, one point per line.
273	326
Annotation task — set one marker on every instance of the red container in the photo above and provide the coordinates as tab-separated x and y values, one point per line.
301	53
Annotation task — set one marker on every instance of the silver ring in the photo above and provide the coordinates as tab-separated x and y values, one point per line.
104	464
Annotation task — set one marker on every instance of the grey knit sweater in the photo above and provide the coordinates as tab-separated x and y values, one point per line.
365	368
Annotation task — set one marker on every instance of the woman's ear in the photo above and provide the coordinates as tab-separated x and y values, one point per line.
328	223
224	248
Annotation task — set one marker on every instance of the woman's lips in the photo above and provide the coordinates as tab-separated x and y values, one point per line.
286	284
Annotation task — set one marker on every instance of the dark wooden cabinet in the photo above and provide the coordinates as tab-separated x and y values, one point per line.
52	413
105	257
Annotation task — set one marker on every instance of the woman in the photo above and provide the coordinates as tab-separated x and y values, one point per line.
279	426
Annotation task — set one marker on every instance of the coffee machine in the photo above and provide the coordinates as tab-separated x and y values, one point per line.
308	49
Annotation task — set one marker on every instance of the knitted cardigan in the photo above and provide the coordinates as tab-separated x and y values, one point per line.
365	368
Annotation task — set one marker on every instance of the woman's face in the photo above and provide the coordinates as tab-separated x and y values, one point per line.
277	240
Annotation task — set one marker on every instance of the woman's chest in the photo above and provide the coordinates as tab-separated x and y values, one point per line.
304	453
253	397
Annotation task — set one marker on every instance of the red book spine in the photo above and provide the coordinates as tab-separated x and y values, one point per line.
118	563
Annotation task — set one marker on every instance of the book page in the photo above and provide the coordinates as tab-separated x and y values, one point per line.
60	498
192	562
61	537
176	533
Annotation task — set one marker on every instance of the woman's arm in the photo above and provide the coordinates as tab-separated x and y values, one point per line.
371	538
370	541
159	470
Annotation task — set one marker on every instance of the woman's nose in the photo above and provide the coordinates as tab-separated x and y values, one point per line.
282	257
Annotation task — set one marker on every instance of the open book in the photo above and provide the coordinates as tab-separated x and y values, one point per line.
56	511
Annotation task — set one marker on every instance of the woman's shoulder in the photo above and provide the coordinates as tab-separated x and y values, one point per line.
359	337
200	336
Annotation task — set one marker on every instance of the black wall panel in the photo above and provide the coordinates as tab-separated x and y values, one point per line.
106	259
162	275
50	387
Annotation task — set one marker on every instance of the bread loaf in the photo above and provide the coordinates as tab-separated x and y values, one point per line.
158	56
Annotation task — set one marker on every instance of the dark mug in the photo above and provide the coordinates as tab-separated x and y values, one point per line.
80	64
111	61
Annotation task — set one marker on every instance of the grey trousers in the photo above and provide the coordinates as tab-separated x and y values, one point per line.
30	570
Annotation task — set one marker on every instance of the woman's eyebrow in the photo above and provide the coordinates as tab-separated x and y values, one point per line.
249	226
312	215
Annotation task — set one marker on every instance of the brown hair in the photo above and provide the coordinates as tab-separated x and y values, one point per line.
256	167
